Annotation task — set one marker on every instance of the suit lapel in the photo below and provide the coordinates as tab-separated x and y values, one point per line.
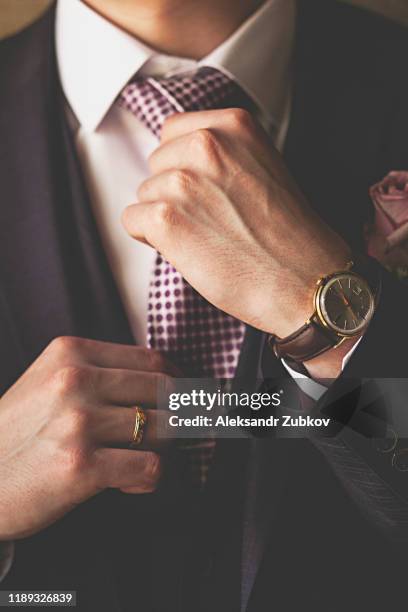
267	474
54	276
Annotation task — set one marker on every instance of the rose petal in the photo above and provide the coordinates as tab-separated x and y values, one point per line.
390	198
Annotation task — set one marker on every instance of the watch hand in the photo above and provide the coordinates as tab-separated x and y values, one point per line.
348	305
343	297
353	312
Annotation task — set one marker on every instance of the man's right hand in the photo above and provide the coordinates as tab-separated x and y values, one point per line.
65	429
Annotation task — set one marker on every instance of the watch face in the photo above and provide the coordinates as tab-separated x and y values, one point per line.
345	303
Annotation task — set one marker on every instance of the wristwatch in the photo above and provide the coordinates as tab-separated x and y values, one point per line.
344	304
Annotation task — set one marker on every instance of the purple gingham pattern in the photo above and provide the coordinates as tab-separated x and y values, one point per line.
201	339
153	100
197	336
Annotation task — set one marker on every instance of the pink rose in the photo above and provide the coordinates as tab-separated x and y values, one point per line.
387	237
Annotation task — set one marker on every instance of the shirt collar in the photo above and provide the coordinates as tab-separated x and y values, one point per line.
96	59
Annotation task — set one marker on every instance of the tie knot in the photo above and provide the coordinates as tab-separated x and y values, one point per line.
152	100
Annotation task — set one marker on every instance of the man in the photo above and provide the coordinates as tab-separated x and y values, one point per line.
83	92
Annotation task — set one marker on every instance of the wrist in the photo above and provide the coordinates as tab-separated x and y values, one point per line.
297	296
344	304
330	364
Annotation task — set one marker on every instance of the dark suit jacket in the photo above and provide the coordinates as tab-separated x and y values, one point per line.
315	524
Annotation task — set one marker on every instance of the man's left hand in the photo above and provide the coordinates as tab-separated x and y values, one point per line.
222	208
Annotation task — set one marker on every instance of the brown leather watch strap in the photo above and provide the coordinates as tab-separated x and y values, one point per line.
309	341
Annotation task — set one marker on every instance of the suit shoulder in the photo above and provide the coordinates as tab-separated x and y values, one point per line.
368	33
361	45
24	48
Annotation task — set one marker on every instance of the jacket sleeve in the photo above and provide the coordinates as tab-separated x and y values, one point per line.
368	404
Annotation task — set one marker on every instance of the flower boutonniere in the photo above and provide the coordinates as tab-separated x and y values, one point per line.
387	235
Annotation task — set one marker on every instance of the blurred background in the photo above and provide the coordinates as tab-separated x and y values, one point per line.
15	14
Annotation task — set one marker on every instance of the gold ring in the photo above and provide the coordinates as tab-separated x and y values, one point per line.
138	430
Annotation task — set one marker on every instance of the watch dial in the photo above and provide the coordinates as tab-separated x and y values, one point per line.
346	304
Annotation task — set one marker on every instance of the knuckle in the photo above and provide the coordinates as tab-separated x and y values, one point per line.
77	422
157	361
205	142
69	379
152	470
65	345
73	461
180	181
165	214
240	118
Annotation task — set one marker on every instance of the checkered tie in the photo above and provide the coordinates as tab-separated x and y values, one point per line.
201	339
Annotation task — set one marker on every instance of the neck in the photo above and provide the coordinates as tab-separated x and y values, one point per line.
185	28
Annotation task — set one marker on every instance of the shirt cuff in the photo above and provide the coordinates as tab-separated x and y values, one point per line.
6	558
310	387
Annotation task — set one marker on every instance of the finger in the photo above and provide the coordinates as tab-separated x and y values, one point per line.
128	357
139	219
114	427
201	151
180	124
172	186
231	126
117	468
129	388
119	356
227	120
